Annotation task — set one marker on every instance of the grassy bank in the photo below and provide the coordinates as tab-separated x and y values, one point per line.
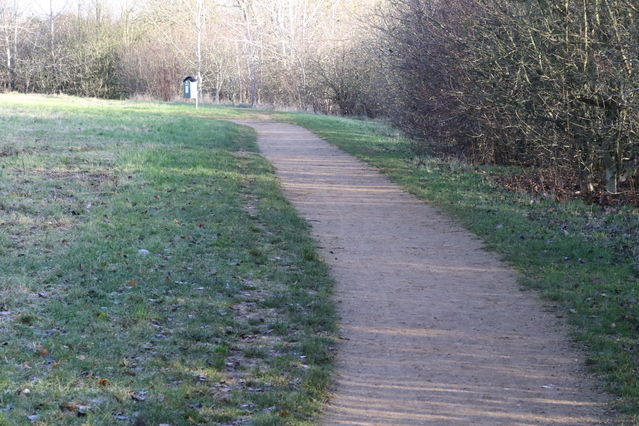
151	271
583	259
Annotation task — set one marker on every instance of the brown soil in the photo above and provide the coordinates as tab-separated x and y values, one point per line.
435	330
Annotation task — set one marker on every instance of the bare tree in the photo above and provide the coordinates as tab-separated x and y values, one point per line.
299	53
15	25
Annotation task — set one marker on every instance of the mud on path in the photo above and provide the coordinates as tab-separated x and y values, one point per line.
435	330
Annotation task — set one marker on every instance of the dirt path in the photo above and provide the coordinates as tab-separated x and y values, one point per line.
436	330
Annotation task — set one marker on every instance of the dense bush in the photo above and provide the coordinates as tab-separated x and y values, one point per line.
540	83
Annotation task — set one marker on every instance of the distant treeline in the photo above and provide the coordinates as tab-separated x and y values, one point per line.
285	53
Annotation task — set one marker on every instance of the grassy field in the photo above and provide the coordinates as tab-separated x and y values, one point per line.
583	259
151	271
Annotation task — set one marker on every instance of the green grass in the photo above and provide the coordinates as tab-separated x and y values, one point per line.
151	271
584	260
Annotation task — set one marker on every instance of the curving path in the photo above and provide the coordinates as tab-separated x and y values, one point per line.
435	329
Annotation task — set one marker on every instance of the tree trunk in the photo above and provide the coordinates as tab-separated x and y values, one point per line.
585	179
612	176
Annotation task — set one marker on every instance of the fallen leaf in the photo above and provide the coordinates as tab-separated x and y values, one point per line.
103	382
67	407
131	283
138	398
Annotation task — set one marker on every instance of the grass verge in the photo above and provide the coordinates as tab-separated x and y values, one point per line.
151	272
582	259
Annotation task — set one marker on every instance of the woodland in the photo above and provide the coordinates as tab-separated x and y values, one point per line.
547	85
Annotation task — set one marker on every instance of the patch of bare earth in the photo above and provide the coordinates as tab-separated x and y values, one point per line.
435	329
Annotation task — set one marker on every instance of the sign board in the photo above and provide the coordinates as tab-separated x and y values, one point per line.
190	88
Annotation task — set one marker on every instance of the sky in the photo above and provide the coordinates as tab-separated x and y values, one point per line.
44	6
